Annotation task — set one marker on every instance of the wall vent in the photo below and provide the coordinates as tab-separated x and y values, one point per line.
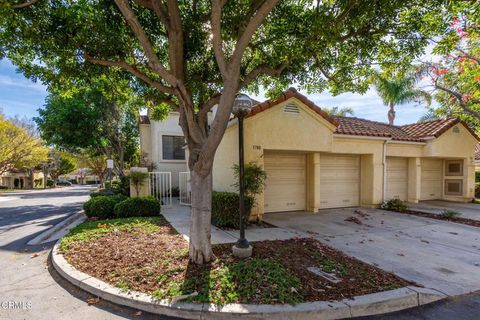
453	187
291	108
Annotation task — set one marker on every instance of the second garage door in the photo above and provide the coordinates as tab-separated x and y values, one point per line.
339	181
431	181
285	188
397	178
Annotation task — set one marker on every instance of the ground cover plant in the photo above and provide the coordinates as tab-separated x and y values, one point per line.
148	255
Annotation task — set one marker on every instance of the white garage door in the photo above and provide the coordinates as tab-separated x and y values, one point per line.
339	181
431	181
285	188
397	178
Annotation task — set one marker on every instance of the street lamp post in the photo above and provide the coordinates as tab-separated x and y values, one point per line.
241	108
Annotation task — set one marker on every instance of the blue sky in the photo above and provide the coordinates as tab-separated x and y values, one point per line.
20	96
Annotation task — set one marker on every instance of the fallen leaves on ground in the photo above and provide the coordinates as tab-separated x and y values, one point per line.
92	301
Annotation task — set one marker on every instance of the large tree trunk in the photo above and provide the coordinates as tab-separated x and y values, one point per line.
200	233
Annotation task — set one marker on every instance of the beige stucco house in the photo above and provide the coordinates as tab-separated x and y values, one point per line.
22	179
315	161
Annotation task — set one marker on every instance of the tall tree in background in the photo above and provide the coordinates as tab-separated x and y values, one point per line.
19	147
101	118
192	55
397	89
455	78
59	163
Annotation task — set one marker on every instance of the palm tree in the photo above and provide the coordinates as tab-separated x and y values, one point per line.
337	111
398	90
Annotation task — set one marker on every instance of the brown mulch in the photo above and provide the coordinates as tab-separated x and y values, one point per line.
139	259
470	222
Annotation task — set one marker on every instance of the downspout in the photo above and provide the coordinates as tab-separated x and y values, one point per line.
384	170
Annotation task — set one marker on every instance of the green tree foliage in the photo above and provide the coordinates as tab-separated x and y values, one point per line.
192	55
396	89
60	163
339	111
102	118
19	147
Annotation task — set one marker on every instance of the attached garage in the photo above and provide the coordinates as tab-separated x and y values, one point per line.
397	178
431	179
285	188
339	181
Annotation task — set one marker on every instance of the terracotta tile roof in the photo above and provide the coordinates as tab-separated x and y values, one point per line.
477	151
362	127
416	132
432	128
144	120
291	93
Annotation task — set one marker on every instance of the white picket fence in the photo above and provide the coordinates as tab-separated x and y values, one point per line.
185	188
161	187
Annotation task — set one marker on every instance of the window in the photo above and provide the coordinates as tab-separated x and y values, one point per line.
172	148
454	187
454	168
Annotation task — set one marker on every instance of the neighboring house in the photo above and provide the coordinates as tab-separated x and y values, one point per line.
22	179
315	161
162	145
477	157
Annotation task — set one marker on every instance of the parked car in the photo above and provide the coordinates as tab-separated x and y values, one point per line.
64	183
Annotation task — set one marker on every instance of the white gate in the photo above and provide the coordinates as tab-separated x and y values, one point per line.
161	187
185	188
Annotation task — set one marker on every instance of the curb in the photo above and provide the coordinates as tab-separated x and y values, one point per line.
72	221
366	305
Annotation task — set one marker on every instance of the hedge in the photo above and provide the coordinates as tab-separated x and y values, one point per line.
477	190
225	209
137	207
102	207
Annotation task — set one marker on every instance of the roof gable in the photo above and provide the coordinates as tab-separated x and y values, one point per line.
291	93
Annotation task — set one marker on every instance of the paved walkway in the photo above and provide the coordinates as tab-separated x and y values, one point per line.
466	210
179	218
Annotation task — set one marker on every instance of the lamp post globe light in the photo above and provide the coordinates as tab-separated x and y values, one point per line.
241	108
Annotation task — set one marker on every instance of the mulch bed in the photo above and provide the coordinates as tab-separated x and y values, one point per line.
159	261
470	222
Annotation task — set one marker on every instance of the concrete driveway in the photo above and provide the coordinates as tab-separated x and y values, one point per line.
466	210
440	255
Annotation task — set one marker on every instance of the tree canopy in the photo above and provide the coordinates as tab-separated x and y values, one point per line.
101	117
19	147
192	55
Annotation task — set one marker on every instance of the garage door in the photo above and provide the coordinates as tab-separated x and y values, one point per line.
431	179
339	181
285	188
397	178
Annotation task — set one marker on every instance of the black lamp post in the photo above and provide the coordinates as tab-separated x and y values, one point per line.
241	108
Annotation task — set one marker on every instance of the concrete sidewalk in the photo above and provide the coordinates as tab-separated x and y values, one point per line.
466	210
179	217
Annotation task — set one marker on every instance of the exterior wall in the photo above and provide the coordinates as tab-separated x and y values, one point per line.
151	144
8	179
225	157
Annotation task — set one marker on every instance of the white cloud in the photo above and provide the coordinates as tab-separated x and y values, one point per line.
21	82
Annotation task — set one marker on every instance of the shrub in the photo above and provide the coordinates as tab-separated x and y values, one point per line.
477	190
448	214
394	205
102	192
225	209
102	207
3	187
254	178
477	176
137	207
50	183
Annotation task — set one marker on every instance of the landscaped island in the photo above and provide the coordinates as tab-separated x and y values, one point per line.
146	254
